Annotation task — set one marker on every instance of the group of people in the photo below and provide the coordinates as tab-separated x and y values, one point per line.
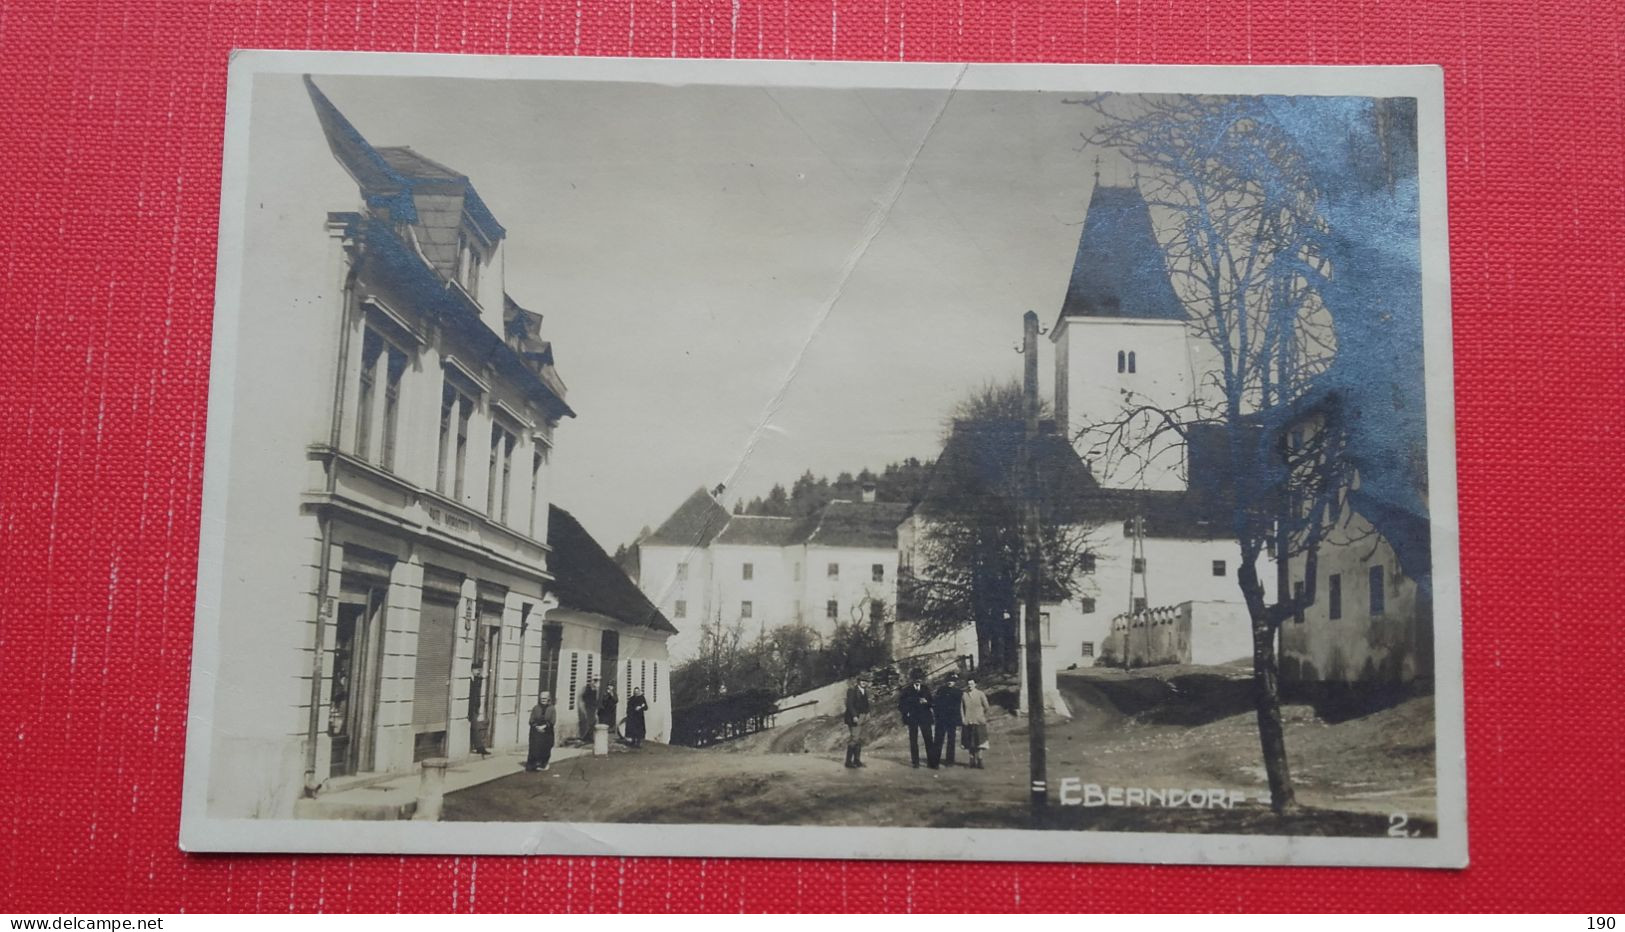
593	707
934	718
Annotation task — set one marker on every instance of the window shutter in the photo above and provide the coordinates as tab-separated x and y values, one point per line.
431	686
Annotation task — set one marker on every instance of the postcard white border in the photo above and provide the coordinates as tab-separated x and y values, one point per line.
201	833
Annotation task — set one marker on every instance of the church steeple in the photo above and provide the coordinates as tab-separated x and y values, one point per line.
1119	270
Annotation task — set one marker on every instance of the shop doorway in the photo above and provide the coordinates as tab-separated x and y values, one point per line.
482	689
358	651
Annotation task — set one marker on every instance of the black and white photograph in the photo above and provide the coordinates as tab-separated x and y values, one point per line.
785	459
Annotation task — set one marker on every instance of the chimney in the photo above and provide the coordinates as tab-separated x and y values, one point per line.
868	491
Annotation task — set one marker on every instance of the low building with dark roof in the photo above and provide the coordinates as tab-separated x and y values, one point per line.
602	628
1370	625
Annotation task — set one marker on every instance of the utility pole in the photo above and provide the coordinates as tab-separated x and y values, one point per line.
1032	628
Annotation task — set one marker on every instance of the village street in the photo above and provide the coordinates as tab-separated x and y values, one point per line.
1174	728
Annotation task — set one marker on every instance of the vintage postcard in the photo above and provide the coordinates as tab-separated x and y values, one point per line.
830	460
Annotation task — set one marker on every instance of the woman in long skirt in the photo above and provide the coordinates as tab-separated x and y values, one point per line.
543	721
635	726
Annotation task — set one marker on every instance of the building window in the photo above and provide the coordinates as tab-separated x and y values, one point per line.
392	407
468	265
1132	526
682	571
1121	357
1088	649
834	571
877	611
680	610
465	411
455	410
1218	567
538	460
878	572
1334	596
1139	604
1378	603
1088	563
832	610
798	572
376	352
1139	564
745	609
372	347
748	571
1131	362
497	482
1087	603
1297	602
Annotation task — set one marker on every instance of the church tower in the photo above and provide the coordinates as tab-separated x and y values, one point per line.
1122	344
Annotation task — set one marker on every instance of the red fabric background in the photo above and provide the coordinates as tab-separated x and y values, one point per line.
111	144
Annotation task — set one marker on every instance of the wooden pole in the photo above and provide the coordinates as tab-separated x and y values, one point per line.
1032	628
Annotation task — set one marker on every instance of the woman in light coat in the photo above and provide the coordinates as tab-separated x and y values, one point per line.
973	715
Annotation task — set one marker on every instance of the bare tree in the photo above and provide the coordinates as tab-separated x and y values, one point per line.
1237	205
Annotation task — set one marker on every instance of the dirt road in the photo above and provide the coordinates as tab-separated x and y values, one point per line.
1173	730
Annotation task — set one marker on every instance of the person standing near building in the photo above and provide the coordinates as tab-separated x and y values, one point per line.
973	713
636	728
607	704
587	710
476	728
857	713
914	704
945	705
543	718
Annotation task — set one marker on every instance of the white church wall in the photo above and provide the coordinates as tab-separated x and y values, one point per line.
1110	365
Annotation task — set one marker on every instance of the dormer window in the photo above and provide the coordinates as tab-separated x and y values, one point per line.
468	263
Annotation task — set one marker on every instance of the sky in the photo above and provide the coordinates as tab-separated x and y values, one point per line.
743	284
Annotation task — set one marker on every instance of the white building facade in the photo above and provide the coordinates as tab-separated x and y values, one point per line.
387	544
838	566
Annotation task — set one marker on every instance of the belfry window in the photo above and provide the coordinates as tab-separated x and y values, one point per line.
1121	361
1131	362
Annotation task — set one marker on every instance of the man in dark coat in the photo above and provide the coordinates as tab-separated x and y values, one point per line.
945	705
857	712
543	718
914	703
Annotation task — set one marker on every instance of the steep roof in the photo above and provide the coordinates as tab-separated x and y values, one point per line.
1119	270
587	579
842	523
982	462
980	466
758	531
389	176
695	523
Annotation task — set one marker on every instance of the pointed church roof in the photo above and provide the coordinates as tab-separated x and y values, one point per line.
1119	270
695	523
